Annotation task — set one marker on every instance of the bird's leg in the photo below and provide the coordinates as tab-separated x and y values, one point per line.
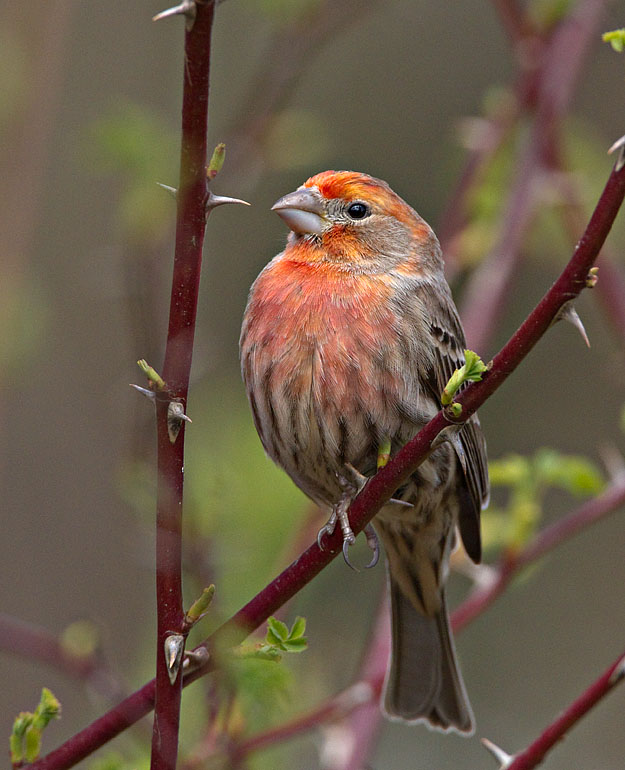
339	513
351	487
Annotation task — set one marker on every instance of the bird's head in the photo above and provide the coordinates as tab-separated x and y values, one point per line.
353	217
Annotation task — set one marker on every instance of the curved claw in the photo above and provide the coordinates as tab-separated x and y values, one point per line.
374	544
347	542
325	530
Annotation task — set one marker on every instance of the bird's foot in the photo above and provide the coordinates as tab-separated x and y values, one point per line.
350	487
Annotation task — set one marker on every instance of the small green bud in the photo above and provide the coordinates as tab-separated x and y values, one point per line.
151	374
217	161
25	739
471	370
455	408
592	277
200	605
616	38
49	708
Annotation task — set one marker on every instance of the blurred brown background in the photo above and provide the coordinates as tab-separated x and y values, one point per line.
86	257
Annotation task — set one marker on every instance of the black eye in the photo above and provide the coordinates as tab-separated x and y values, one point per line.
358	211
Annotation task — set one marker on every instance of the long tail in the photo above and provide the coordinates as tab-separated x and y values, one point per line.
424	681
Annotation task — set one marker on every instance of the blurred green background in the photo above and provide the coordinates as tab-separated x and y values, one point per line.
89	104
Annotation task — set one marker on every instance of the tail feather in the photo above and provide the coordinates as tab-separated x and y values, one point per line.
424	681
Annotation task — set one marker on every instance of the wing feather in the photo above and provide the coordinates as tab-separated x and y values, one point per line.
449	345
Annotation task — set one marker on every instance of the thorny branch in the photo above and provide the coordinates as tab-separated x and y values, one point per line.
192	200
371	676
380	488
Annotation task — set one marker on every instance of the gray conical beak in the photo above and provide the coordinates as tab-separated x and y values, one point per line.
302	211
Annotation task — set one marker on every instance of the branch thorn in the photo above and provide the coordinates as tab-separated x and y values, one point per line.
195	658
186	8
619	671
219	200
568	313
175	418
619	145
144	391
500	755
168	188
174	647
451	434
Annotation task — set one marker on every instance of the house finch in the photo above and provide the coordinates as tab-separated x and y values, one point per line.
349	337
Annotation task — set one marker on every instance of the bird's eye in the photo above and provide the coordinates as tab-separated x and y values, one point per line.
358	211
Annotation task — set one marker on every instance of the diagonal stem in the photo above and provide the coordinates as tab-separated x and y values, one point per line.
381	487
535	753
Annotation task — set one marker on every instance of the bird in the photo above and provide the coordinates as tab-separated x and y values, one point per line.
349	337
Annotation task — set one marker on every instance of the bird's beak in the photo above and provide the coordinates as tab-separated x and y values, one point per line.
302	211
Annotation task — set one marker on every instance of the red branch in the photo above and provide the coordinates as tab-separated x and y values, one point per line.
545	541
488	289
381	487
190	227
534	754
360	699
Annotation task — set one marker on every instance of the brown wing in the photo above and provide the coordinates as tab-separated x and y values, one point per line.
448	335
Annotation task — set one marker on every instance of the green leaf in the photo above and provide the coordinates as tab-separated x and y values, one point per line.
278	629
32	743
509	471
49	708
272	639
573	473
474	366
295	645
299	628
471	370
25	739
16	741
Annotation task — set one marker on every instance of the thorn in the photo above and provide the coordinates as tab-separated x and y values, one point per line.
174	647
619	145
619	671
168	188
219	200
195	659
175	418
568	313
499	754
450	433
186	8
614	463
144	391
